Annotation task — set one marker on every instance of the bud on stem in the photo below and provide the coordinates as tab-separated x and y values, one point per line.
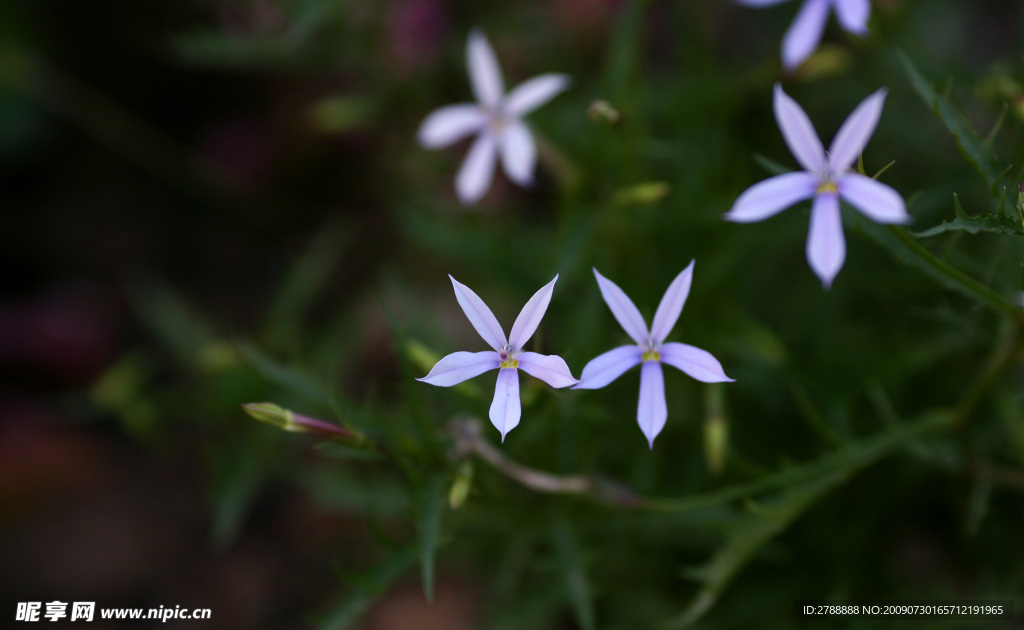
296	423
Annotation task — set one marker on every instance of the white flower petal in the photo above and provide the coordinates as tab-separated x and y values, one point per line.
529	318
798	132
826	248
651	412
531	94
506	409
479	315
484	71
477	170
760	3
772	196
853	136
671	305
623	309
692	360
853	15
450	124
518	153
803	36
461	366
605	368
549	368
878	202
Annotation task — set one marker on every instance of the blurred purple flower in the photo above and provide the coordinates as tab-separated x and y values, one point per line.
651	350
496	118
507	355
803	36
826	179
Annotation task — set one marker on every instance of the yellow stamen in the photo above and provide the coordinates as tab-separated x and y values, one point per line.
651	355
828	186
509	363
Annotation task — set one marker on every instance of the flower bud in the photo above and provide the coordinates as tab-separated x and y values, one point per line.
296	423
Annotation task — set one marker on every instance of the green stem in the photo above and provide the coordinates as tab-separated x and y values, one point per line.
964	281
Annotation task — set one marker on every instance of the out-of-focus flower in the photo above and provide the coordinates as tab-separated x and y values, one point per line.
803	36
507	355
496	119
650	350
827	179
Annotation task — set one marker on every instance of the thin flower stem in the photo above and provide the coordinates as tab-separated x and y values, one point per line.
979	290
469	440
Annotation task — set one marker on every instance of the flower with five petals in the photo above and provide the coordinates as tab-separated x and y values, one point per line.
826	180
496	119
803	36
507	355
651	350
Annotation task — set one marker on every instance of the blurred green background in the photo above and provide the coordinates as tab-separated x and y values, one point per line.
213	203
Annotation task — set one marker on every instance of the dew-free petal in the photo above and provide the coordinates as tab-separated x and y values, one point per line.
853	15
693	361
671	304
477	170
605	368
505	408
623	309
450	124
797	131
878	202
461	366
804	34
548	368
484	71
518	153
532	93
479	315
651	411
853	136
760	3
826	248
529	318
772	196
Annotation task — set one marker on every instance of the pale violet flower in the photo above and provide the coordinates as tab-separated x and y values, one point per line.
496	119
827	179
650	350
803	36
507	355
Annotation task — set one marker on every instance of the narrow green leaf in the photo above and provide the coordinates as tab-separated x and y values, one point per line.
975	149
367	588
306	281
284	377
774	515
181	331
573	572
430	507
906	249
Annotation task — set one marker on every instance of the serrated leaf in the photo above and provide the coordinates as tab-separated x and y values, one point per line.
998	224
974	148
430	507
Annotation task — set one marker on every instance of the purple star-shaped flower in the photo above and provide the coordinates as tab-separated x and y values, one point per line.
496	119
804	35
650	350
827	179
507	356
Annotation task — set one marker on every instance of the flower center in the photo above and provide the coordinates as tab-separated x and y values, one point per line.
650	354
827	187
495	120
505	354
